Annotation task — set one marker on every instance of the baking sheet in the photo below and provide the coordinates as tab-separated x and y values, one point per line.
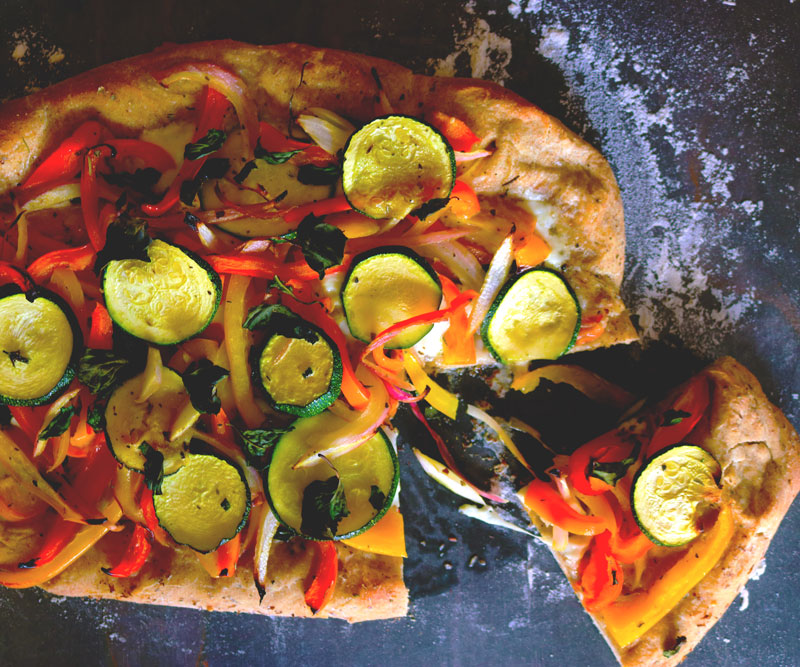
695	106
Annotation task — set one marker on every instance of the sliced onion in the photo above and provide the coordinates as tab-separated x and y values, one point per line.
328	130
495	279
459	261
403	396
127	485
560	539
447	478
266	534
471	155
52	411
492	517
476	413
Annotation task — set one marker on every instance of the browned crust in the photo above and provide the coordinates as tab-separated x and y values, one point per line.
535	156
759	453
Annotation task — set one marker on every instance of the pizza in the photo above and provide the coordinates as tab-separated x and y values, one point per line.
225	267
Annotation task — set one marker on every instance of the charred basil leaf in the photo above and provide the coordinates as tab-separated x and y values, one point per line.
100	370
60	423
153	467
324	506
200	380
673	417
258	442
141	181
215	167
96	416
430	207
613	471
281	286
322	244
126	238
312	174
278	157
281	320
209	144
5	416
377	498
679	641
245	171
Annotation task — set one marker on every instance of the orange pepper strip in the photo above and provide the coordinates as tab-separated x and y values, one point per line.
386	537
459	344
100	334
325	571
77	259
530	249
150	519
135	555
544	500
463	200
601	576
689	407
455	130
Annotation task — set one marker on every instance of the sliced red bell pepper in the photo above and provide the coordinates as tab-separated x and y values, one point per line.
90	195
150	519
318	208
600	574
135	555
273	140
456	131
77	259
325	570
607	447
315	155
228	556
67	159
100	335
27	419
11	274
58	536
544	500
146	152
685	411
463	200
459	344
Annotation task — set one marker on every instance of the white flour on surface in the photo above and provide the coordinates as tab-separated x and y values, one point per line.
30	50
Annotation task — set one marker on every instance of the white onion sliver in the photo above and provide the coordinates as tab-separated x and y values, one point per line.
440	473
328	130
495	278
560	539
460	261
492	517
483	416
266	533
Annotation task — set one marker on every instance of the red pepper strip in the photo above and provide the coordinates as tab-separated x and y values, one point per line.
90	196
59	535
693	400
318	208
459	344
9	274
260	266
146	152
135	555
65	161
77	259
601	576
456	131
544	500
463	200
425	318
273	140
27	420
315	155
449	461
150	519
354	391
607	447
325	569
228	556
100	335
215	106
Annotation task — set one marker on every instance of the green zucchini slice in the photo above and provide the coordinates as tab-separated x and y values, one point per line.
672	491
130	424
299	376
204	503
388	285
369	476
40	344
536	315
394	165
166	300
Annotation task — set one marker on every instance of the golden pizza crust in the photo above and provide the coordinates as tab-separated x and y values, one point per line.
535	156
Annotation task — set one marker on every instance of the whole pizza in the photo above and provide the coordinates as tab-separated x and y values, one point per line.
225	268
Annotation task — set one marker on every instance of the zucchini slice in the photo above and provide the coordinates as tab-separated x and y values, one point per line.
131	424
536	315
672	491
298	376
394	165
369	476
204	503
40	344
388	285
166	300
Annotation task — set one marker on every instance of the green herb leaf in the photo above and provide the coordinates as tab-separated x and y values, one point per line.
613	471
153	467
200	380
279	157
5	416
430	207
245	171
258	442
312	174
100	370
279	319
322	244
673	417
96	416
284	533
679	641
126	238
60	423
216	167
377	498
324	506
141	181
281	286
209	144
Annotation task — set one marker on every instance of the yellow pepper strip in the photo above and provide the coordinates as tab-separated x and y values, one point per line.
22	469
267	527
22	239
476	413
127	485
438	397
65	283
629	618
387	537
153	371
236	346
84	540
589	384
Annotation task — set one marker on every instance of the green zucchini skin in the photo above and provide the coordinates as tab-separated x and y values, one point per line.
451	155
389	496
484	330
213	277
77	344
385	250
320	403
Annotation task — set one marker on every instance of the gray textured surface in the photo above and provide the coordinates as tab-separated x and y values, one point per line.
695	105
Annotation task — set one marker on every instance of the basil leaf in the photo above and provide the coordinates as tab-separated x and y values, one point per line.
216	167
141	181
153	467
100	370
324	506
281	286
5	416
311	174
258	442
281	320
673	417
126	238
430	207
278	157
377	498
96	416
200	380
60	423
245	171
284	533
209	144
613	471
322	244
679	641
